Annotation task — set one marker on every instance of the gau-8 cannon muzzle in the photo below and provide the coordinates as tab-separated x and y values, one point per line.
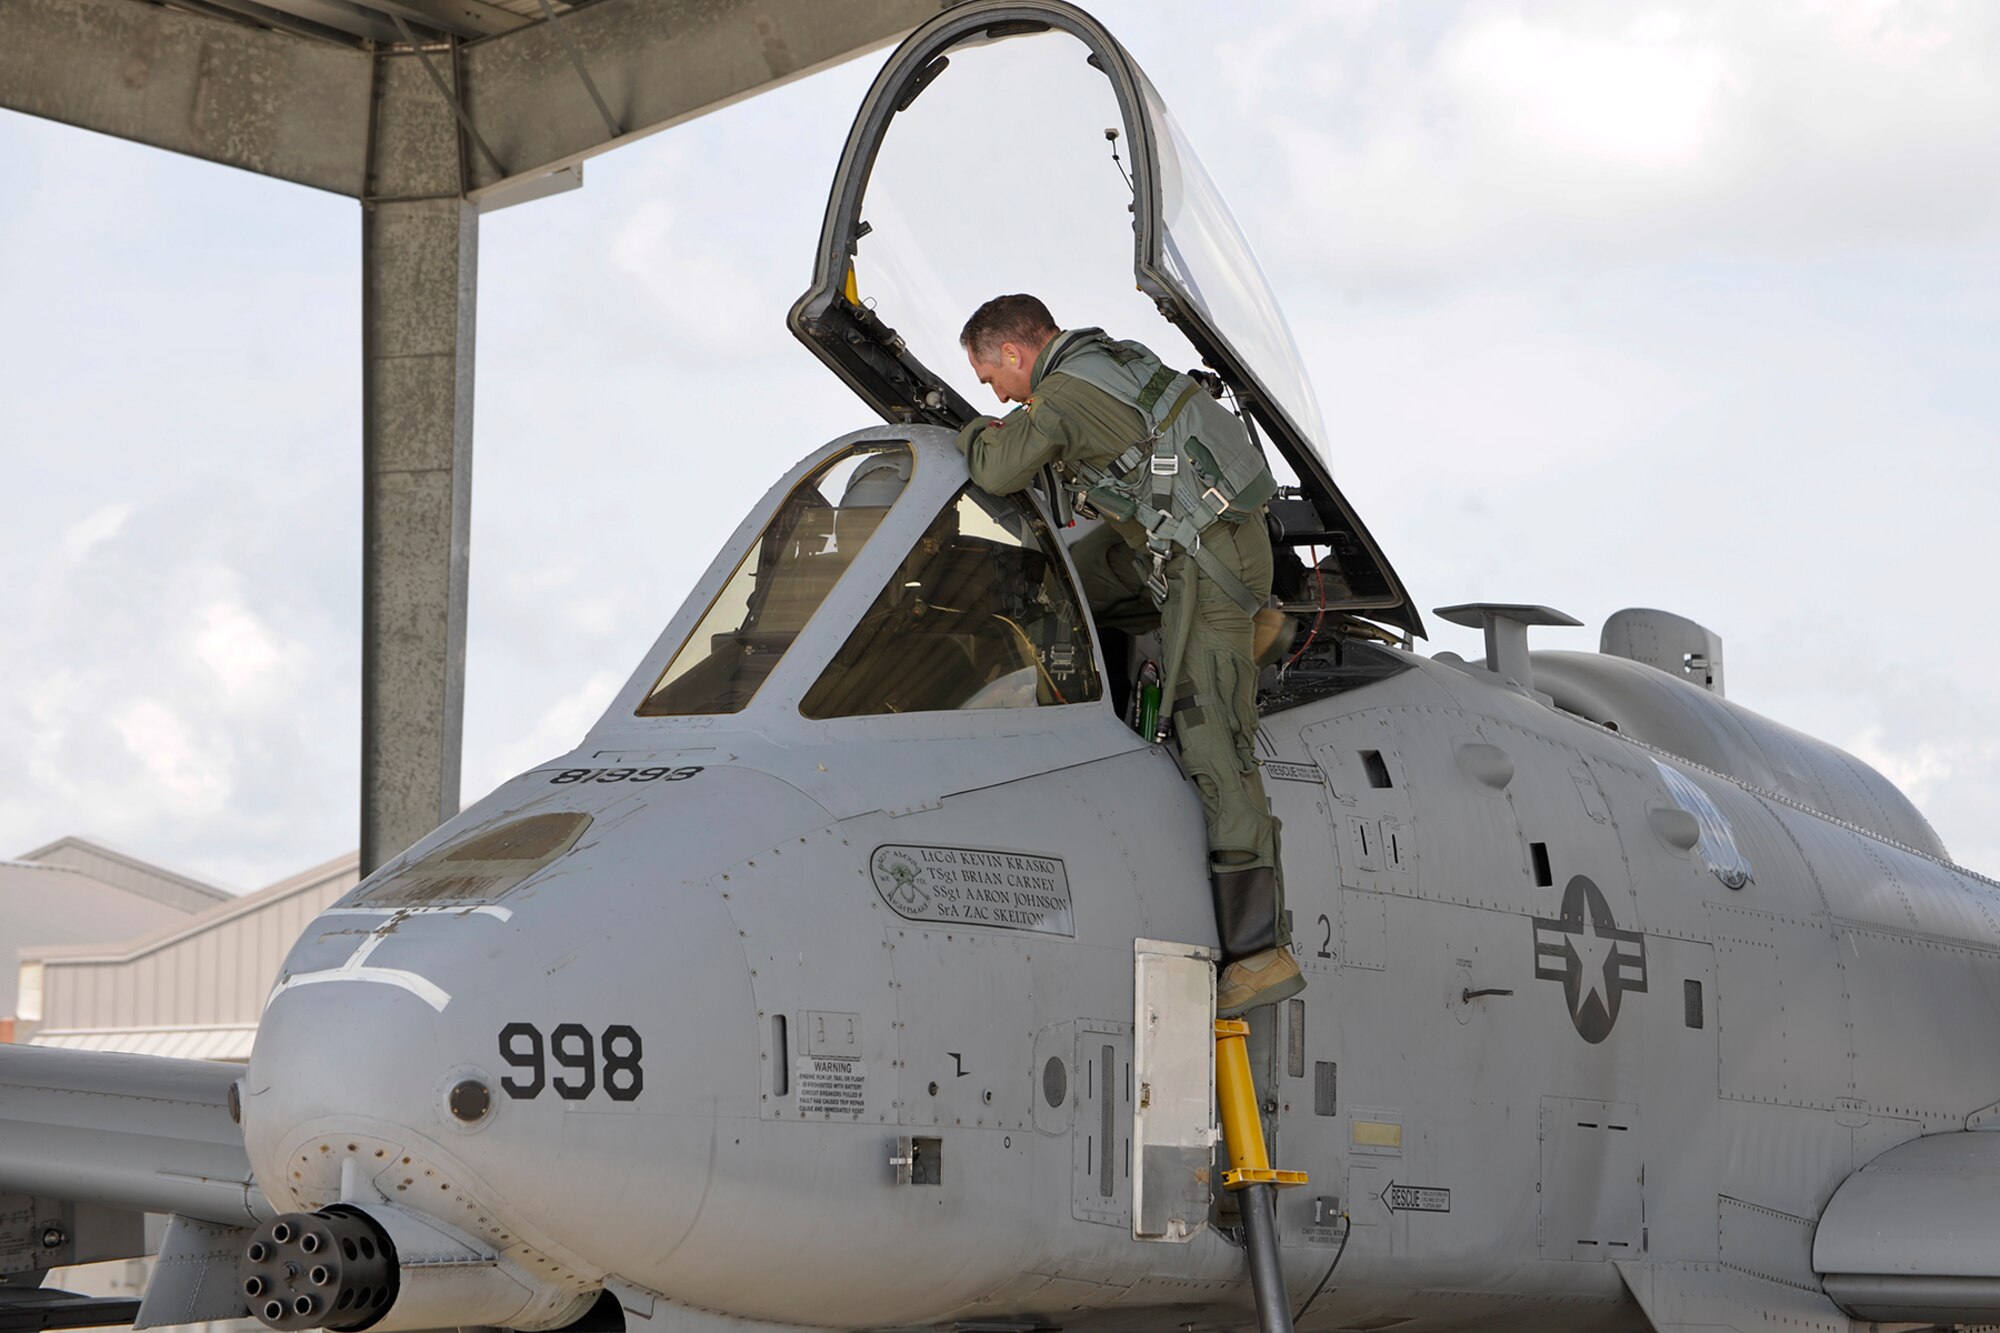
350	1267
332	1269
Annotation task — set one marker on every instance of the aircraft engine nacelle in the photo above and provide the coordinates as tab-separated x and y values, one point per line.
350	1267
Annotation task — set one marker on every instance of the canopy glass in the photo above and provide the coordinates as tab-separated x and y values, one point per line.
1011	147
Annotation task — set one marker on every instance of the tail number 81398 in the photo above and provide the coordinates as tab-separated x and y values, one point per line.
575	1054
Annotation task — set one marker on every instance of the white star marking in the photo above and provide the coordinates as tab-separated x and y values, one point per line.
1590	950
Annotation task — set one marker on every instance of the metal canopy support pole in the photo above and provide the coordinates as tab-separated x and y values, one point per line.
420	245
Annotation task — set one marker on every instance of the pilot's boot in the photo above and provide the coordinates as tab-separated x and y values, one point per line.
1260	970
1262	978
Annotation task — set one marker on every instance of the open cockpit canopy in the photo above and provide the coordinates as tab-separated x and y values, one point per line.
1029	152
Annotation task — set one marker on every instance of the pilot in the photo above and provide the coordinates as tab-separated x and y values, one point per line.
1080	428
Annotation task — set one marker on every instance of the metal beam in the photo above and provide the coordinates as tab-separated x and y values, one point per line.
461	18
656	63
419	254
327	20
270	102
291	107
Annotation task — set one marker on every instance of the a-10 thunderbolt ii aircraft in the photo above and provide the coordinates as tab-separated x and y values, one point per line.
855	971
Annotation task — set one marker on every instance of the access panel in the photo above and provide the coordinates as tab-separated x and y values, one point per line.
1593	1180
1173	1116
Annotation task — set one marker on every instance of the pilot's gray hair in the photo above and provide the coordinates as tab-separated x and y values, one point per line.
1019	318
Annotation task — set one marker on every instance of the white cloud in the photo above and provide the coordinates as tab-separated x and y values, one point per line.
1637	99
696	286
560	725
1551	132
94	529
1895	34
45	705
1484	394
1917	770
238	648
168	749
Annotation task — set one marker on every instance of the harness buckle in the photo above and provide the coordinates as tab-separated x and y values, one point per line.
1214	498
1166	465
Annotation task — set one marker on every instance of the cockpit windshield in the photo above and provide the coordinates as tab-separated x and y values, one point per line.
981	614
816	534
1206	255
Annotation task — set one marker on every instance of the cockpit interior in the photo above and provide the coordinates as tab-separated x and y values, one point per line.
980	611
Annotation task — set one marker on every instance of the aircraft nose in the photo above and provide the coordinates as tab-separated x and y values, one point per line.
507	1071
536	1018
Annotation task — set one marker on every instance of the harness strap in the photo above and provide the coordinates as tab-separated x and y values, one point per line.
1187	396
1232	587
1165	532
1166	470
1154	387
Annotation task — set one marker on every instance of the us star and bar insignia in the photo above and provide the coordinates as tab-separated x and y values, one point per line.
1596	962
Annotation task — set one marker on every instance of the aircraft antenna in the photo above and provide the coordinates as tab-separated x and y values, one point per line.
1111	134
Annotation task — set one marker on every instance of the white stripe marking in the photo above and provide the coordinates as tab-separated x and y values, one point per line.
499	913
356	968
422	987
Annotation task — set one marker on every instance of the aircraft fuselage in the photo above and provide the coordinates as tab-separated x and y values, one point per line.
719	984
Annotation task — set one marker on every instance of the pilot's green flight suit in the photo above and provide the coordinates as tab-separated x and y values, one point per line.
1215	695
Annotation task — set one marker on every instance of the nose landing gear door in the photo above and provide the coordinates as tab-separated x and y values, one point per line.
1017	147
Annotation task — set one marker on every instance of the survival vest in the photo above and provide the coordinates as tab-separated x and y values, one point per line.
1195	467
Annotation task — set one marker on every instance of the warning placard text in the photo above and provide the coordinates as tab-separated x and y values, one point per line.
829	1087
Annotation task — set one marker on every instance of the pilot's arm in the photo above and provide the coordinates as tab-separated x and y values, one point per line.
1004	456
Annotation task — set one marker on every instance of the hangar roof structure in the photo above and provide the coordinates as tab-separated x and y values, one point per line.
427	113
355	22
355	96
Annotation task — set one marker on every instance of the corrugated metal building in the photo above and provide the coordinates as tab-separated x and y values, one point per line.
116	955
80	894
193	987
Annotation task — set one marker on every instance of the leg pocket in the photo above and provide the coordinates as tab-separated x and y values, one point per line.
1235	698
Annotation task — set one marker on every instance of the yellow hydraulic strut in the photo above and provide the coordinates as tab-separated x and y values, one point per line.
1250	1172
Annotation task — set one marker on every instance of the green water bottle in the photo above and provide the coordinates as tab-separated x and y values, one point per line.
1149	701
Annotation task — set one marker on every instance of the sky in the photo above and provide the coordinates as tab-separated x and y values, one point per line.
1691	306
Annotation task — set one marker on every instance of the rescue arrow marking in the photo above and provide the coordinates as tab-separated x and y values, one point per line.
1415	1199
